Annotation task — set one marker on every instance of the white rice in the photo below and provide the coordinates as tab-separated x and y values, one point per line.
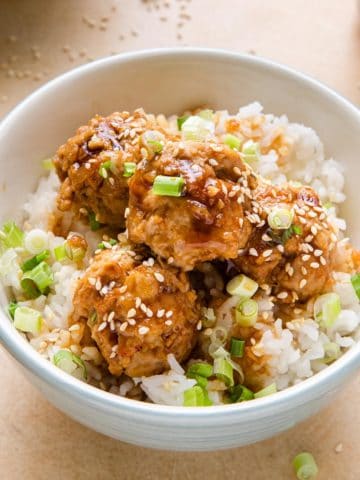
295	351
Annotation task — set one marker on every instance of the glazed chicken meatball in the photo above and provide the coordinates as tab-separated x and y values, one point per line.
207	220
138	313
91	165
296	261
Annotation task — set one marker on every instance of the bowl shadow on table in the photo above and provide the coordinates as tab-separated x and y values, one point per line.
38	441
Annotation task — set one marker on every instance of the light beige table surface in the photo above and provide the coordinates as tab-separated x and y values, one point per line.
39	40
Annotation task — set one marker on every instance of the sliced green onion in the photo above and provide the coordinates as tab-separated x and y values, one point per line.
206	114
11	309
201	369
70	363
269	390
305	466
34	261
224	371
129	169
237	347
39	278
197	129
201	381
242	286
104	168
332	352
94	224
181	120
297	229
103	245
216	351
246	313
239	393
219	335
280	218
47	164
251	153
327	308
232	141
36	241
194	397
11	236
153	141
60	252
355	281
27	320
209	317
168	186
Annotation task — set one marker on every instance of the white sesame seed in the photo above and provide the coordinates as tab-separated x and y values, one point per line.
170	260
304	270
253	252
333	237
123	327
267	253
123	289
266	238
143	307
313	230
131	313
290	271
241	222
168	322
112	182
137	302
322	261
213	162
111	316
169	314
281	248
302	283
282	295
199	325
339	448
92	280
112	354
314	265
309	238
312	214
318	253
159	277
305	258
74	328
127	211
160	313
143	330
237	171
98	284
102	326
132	321
149	312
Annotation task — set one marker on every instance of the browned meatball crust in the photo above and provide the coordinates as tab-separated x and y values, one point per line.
137	313
207	221
115	139
298	264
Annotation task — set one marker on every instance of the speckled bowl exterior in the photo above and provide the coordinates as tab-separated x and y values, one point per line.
170	81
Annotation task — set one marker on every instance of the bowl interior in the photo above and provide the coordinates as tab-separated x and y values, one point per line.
170	82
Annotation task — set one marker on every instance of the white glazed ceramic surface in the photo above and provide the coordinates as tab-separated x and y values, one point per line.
170	81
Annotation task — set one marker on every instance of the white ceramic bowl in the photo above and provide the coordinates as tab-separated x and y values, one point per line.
169	81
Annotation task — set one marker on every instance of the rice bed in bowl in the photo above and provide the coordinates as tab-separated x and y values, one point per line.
233	278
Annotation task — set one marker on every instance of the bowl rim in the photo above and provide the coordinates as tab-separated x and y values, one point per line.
21	349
